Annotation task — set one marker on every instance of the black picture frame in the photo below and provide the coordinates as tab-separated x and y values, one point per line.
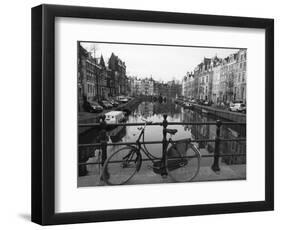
43	114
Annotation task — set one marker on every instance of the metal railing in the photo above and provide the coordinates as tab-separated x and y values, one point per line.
103	139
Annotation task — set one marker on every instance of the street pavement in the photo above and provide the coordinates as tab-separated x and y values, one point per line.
147	176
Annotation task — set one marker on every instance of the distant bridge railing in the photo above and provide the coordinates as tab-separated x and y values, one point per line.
217	140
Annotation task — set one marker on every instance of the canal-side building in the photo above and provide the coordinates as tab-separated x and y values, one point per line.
97	81
131	85
134	85
174	89
104	86
89	72
94	82
151	91
150	87
208	79
156	88
81	76
147	87
215	93
184	86
118	68
138	87
223	80
187	85
203	82
196	82
191	86
228	72
163	89
110	82
144	87
241	76
218	80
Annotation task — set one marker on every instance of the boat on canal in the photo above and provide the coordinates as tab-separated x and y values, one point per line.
205	111
187	105
115	117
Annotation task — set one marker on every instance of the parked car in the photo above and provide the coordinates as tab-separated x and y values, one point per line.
207	103
187	105
113	102
106	104
180	102
200	102
87	106
122	99
177	101
236	107
242	108
96	108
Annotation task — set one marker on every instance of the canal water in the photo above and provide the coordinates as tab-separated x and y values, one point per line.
153	111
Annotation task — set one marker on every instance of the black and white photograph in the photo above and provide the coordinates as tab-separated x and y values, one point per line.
154	113
140	114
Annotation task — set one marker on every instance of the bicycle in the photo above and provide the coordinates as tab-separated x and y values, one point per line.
181	161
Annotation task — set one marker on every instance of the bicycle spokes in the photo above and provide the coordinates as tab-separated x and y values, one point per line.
121	166
182	165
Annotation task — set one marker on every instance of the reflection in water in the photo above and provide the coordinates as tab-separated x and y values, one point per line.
153	111
209	132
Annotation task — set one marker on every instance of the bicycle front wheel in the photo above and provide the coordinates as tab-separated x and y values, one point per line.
121	166
183	162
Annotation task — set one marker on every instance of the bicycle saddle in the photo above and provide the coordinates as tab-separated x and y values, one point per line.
171	131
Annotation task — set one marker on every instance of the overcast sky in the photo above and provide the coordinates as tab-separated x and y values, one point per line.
163	63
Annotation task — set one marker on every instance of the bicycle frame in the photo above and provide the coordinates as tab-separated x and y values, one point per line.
144	149
152	158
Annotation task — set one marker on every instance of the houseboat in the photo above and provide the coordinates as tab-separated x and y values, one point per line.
114	117
187	105
205	111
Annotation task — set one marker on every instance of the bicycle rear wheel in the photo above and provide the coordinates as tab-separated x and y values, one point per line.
183	162
121	166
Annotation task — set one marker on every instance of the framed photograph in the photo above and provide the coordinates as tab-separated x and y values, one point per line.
143	114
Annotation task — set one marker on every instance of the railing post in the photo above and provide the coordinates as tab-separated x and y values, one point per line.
103	139
164	145
215	166
82	169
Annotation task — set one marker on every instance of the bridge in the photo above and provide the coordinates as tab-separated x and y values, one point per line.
216	170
